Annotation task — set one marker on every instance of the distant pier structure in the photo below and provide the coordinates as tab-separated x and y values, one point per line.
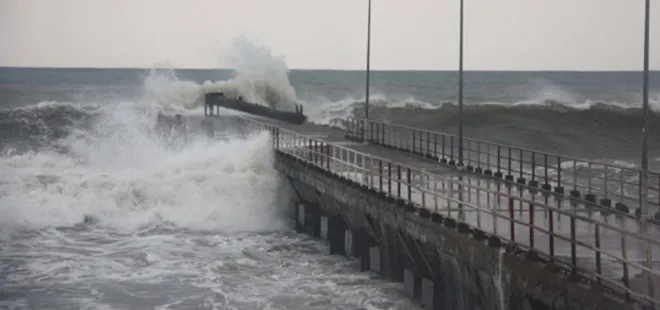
214	101
510	228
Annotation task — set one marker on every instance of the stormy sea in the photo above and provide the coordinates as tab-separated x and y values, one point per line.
99	209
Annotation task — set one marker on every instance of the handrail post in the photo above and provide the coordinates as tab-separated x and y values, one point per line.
398	181
389	178
512	223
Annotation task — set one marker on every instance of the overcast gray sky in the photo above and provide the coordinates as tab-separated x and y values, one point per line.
411	34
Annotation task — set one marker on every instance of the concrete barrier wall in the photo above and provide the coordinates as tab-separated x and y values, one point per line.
442	264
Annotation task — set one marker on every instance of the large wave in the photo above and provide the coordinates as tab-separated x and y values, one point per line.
106	163
259	77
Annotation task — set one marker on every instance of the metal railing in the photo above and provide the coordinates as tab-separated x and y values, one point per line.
596	183
616	255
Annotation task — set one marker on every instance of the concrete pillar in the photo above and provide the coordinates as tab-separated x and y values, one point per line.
374	259
348	242
409	282
412	281
392	258
324	227
313	220
300	217
428	293
448	283
336	235
366	249
363	242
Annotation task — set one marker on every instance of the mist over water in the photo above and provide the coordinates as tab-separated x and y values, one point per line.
103	209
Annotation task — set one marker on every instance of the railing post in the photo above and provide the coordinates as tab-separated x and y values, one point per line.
451	149
321	154
277	137
624	255
382	133
389	178
310	153
531	225
551	234
380	174
573	247
597	246
444	147
533	165
510	168
512	223
559	181
428	144
414	140
409	186
398	181
371	131
435	146
499	158
520	163
329	154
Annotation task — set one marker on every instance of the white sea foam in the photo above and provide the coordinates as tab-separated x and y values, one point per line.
123	175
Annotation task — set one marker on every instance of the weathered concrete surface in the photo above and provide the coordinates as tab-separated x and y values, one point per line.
445	265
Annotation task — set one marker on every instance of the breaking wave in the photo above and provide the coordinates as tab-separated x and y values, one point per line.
66	164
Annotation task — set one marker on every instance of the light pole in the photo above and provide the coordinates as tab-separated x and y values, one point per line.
366	91
365	123
644	174
460	87
644	188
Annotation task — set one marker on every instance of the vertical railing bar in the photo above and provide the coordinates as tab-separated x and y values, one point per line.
573	247
597	246
380	174
398	183
389	178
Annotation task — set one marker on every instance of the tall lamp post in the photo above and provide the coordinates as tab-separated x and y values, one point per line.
368	73
366	91
644	188
460	87
644	175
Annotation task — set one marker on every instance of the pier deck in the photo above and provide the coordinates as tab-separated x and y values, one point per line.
543	206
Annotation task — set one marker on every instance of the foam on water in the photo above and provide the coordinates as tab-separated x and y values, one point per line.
97	268
120	215
124	176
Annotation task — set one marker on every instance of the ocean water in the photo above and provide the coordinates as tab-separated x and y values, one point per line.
102	210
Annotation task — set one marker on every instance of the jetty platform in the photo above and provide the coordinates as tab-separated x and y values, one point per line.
509	228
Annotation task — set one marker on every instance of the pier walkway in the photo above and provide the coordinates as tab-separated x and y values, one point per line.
575	213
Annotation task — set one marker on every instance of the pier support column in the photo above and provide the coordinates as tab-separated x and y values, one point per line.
375	258
392	257
313	220
412	281
324	220
350	244
428	298
367	250
336	235
299	214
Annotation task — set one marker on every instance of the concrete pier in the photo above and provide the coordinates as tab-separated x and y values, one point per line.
441	263
458	238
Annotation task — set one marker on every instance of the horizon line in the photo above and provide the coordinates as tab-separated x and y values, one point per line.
322	69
